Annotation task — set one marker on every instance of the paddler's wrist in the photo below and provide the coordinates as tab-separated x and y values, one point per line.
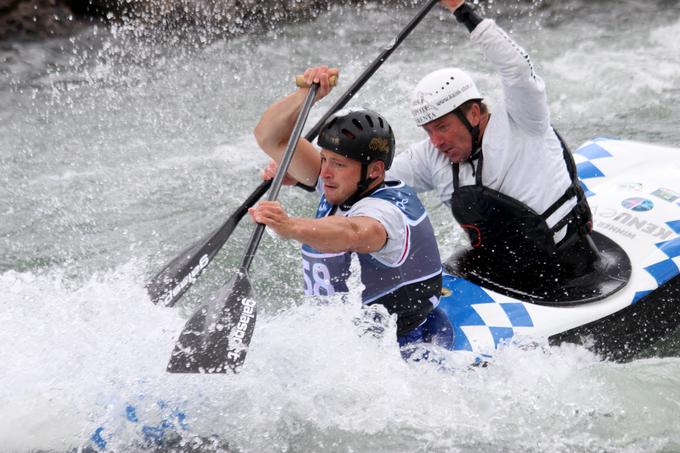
467	15
293	229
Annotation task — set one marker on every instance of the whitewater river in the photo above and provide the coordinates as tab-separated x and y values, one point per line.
120	147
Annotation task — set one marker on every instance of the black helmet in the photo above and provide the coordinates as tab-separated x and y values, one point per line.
359	134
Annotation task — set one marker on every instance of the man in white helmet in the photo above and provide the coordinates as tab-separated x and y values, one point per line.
507	177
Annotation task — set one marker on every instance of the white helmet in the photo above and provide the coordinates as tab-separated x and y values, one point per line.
441	92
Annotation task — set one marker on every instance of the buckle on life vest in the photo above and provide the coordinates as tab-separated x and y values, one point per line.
586	228
581	208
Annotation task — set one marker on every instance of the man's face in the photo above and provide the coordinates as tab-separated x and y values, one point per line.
340	176
450	137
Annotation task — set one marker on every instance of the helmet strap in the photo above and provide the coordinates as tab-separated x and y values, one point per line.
363	184
473	131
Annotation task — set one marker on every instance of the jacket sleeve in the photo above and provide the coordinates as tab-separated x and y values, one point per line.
412	167
523	90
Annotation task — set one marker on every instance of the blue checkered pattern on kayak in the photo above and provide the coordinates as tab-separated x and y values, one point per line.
478	318
588	169
666	269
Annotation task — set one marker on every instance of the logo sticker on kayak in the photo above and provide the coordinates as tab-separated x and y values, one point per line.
666	194
630	186
637	204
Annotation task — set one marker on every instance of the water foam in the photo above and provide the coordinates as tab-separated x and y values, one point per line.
83	356
65	345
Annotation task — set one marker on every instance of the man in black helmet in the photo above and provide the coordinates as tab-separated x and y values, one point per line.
383	223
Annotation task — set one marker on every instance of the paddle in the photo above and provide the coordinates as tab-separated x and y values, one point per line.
180	273
213	339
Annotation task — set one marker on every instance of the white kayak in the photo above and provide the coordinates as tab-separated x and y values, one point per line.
634	193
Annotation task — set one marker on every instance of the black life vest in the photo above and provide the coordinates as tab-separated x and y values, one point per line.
510	238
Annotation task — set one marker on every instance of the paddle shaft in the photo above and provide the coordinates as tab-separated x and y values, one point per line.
280	174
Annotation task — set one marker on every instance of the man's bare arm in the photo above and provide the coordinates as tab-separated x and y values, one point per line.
333	234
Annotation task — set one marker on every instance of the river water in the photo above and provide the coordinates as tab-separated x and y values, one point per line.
119	147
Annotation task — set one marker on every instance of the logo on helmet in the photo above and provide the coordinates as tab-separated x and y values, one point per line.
419	98
422	109
379	144
333	139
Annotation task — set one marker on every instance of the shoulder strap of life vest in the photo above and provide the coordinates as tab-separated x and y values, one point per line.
476	171
581	212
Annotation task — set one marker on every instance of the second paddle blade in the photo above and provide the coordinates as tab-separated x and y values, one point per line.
216	338
178	275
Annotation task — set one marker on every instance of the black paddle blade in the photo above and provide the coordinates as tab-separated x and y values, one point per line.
216	338
179	274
